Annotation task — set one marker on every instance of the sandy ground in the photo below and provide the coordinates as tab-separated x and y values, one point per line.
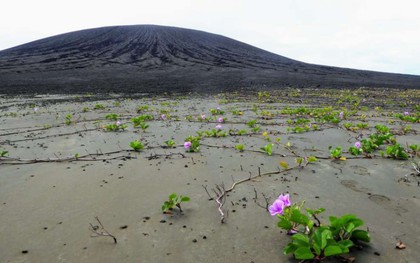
46	203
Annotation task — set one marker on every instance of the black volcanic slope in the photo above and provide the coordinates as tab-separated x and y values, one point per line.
149	58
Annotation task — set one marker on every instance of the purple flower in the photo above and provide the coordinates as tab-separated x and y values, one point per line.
218	108
218	127
358	145
36	109
118	123
163	117
279	204
341	115
187	145
203	117
406	113
285	199
220	119
276	208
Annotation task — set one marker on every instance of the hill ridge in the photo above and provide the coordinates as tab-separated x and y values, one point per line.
152	58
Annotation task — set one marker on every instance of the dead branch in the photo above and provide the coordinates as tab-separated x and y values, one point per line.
49	136
220	200
205	188
100	231
84	158
266	199
168	155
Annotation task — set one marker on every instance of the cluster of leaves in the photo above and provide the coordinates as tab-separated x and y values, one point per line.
202	118
212	133
302	128
396	151
300	125
329	118
414	149
113	127
237	112
142	108
298	121
240	147
141	121
299	161
313	241
407	118
237	132
99	106
217	111
68	119
3	153
253	125
137	145
382	136
170	143
336	153
174	201
263	95
326	114
268	149
266	115
194	145
112	117
355	127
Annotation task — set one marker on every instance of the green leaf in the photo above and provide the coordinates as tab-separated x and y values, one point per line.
333	220
315	212
299	218
304	253
319	210
361	235
350	227
317	249
312	159
333	250
357	222
320	237
284	223
289	248
300	240
185	199
345	243
284	164
172	196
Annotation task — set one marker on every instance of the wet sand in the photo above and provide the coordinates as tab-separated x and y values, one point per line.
48	198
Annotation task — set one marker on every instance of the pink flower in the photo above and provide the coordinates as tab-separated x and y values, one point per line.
118	123
358	145
285	199
341	115
406	113
163	117
276	208
220	119
218	127
203	117
187	145
279	204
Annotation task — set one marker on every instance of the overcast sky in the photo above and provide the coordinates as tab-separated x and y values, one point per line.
381	35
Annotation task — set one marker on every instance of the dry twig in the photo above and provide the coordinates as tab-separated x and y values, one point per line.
100	231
